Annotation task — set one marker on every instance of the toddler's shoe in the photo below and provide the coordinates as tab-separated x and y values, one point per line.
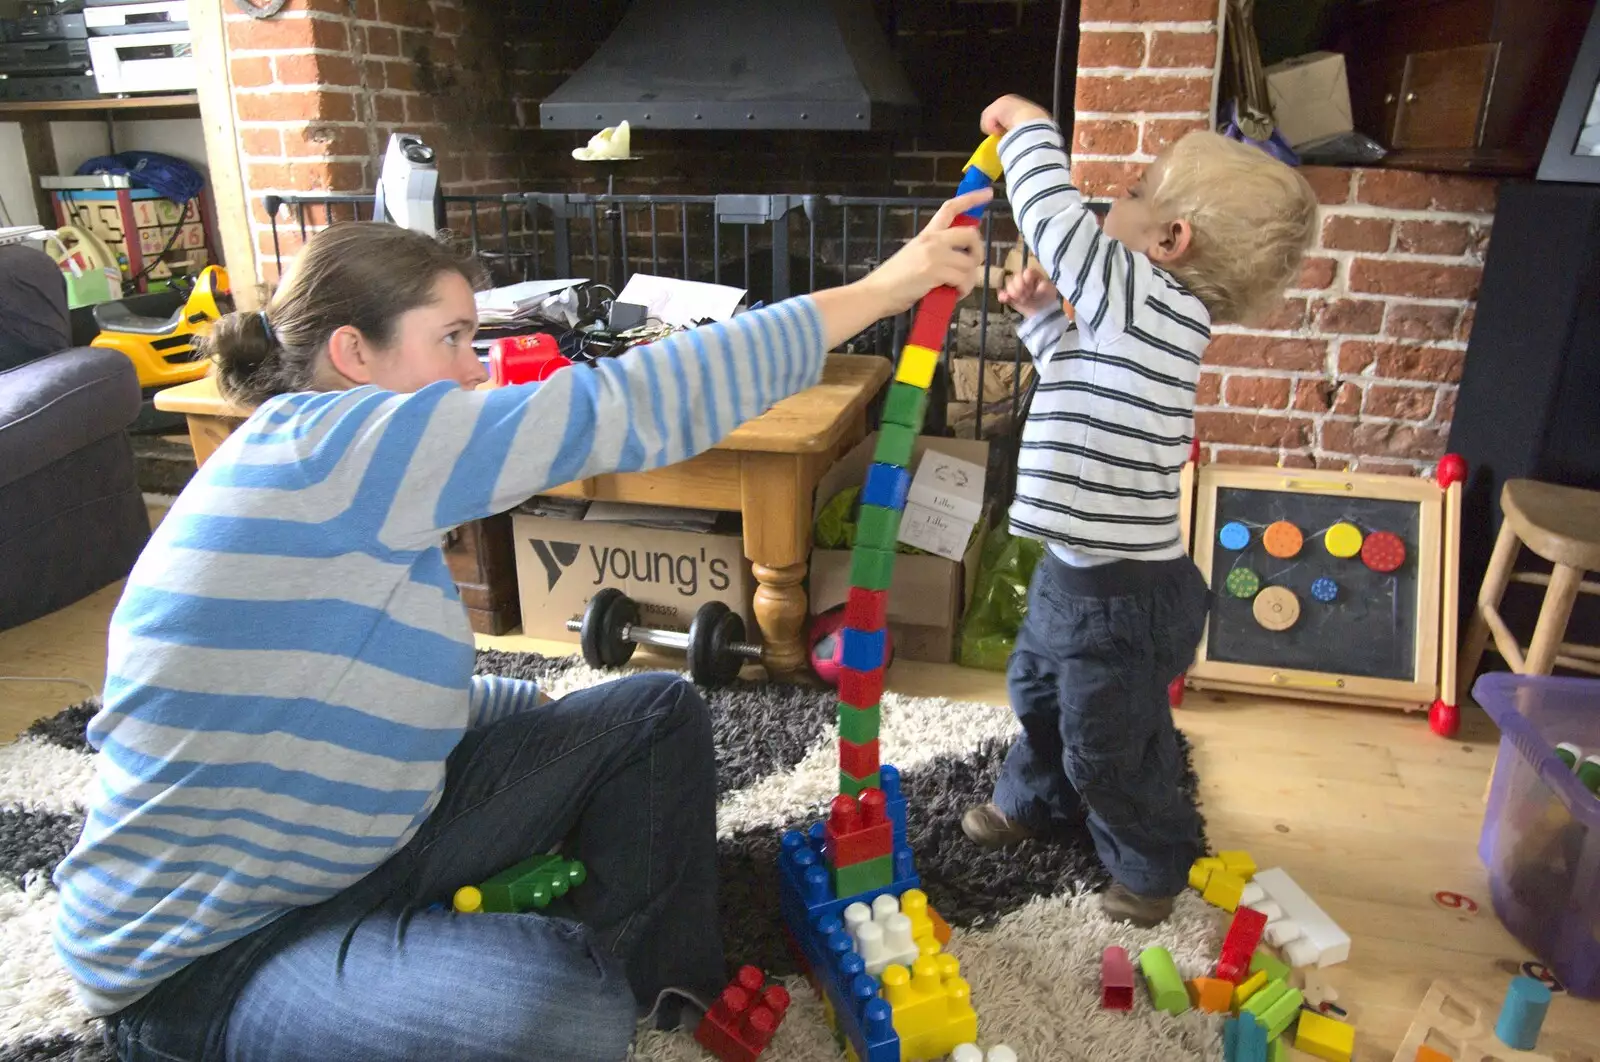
1122	904
989	827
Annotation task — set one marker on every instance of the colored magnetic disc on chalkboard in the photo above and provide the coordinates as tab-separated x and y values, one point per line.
1282	539
1343	540
1242	582
1383	551
1234	535
1276	608
1324	589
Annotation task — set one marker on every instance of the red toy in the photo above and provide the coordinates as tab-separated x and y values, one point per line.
741	1022
1239	946
525	359
1452	469
1116	979
859	830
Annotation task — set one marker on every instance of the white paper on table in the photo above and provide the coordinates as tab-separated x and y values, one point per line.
949	485
935	532
513	297
681	302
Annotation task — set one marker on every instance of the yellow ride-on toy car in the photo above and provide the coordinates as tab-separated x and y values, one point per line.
162	348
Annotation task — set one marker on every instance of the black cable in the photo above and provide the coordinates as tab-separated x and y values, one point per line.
1061	47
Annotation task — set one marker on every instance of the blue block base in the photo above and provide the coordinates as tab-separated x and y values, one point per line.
886	486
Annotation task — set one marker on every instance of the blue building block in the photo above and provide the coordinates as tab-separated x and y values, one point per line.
886	486
864	650
895	804
1523	1013
972	180
1244	1039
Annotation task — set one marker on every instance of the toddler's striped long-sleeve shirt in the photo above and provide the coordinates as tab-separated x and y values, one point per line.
290	663
1113	415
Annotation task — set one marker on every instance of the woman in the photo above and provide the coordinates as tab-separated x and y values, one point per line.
296	762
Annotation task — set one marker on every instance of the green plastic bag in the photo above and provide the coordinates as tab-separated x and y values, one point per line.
999	600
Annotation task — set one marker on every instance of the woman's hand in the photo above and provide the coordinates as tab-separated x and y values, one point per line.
1030	291
1008	112
941	254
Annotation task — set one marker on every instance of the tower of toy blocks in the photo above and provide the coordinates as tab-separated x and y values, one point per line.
848	887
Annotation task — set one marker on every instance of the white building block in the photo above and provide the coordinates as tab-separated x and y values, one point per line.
1319	939
882	934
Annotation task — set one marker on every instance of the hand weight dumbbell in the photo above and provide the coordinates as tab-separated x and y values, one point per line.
609	631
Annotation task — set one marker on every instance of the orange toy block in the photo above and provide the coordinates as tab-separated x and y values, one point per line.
1210	994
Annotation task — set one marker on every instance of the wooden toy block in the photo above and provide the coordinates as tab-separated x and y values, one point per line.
864	650
866	610
1116	979
916	365
1324	1038
1453	1014
1428	1054
858	725
1244	934
1200	873
1240	863
871	569
932	1006
1277	1051
1224	890
1210	994
1281	1014
904	407
1244	1040
895	443
1522	1013
1251	985
853	785
932	319
972	180
1310	937
1162	981
1266	961
878	528
859	759
861	689
886	485
987	158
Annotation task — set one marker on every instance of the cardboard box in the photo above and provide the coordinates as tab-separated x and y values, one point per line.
561	564
1310	97
929	593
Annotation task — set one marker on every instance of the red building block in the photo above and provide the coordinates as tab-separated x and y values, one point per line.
1116	979
1244	935
858	761
860	689
858	830
932	319
741	1022
965	221
866	610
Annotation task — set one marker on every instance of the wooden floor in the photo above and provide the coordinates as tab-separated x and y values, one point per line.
1368	810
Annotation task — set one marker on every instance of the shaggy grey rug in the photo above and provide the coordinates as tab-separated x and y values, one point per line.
1026	928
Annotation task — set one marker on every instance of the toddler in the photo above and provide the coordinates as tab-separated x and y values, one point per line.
1213	231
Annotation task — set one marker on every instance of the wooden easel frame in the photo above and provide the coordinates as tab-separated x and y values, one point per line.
1437	558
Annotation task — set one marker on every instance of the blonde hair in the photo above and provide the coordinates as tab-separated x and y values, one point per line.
1252	219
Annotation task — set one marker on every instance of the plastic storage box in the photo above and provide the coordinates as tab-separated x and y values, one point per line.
1541	830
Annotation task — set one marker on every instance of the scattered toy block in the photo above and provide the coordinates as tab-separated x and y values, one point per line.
1277	1050
1324	1038
744	1018
1244	935
1249	987
1522	1013
883	934
1310	936
871	569
941	928
530	885
866	610
877	528
1116	979
887	486
861	689
917	364
1210	994
1428	1054
859	725
932	1006
1238	863
932	319
1281	1014
1458	1016
905	406
1200	873
1269	994
1244	1040
869	874
857	830
895	443
855	785
1265	960
1223	890
987	158
1162	981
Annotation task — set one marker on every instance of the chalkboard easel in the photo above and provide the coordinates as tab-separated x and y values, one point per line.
1328	586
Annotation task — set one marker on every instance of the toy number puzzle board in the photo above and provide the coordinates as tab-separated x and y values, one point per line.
1327	585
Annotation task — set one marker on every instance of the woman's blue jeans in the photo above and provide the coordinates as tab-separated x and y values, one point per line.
620	776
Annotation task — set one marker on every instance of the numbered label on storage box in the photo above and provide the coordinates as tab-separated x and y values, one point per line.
935	532
947	485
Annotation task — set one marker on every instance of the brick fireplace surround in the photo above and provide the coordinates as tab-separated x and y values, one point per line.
1357	367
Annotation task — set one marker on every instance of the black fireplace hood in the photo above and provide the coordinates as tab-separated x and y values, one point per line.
738	64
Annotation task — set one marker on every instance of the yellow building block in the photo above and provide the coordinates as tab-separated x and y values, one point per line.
1224	890
917	365
1239	863
932	1007
1201	872
987	158
1324	1037
1210	994
1249	987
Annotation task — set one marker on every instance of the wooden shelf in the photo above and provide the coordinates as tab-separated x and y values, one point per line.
66	110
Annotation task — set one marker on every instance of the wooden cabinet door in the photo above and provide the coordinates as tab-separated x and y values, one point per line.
1443	96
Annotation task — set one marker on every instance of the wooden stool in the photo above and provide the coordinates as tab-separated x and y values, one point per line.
1562	525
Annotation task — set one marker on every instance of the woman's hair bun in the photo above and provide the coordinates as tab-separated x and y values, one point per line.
242	346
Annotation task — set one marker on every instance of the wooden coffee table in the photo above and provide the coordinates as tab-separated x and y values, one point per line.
766	470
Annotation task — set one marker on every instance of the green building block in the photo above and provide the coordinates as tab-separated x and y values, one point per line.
871	569
905	406
894	445
531	884
849	785
859	877
1265	999
878	528
1277	1051
1283	1013
1167	991
1264	960
859	725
